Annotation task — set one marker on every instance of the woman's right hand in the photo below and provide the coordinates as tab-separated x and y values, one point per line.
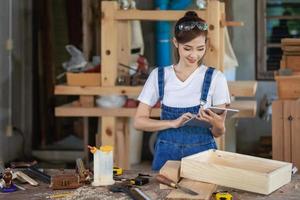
181	120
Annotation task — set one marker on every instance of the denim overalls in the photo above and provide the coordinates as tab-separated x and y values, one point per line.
176	143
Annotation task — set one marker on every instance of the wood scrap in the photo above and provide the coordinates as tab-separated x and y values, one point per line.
204	190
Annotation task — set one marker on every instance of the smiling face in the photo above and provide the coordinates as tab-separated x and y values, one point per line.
191	53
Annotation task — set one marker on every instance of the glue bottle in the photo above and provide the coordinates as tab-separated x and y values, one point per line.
103	166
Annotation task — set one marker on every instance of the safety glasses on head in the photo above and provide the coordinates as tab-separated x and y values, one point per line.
187	26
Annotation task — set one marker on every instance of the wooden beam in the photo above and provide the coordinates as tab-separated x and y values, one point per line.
70	111
153	15
79	90
247	109
242	88
236	88
109	44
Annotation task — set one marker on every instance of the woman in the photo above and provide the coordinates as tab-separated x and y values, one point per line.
184	89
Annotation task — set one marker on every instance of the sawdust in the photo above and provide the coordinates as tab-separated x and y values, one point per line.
91	193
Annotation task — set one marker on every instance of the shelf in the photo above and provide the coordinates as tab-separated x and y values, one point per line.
236	88
153	15
247	109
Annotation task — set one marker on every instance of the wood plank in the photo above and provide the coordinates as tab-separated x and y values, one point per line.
77	90
108	131
236	88
71	111
87	28
247	108
290	41
152	15
287	130
204	190
288	86
231	170
242	88
171	170
295	136
109	44
277	130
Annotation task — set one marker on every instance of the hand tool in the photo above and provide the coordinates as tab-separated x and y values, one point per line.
31	170
222	195
26	178
65	181
84	174
117	171
133	192
164	180
34	172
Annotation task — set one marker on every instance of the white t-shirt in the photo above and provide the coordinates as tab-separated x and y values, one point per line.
186	93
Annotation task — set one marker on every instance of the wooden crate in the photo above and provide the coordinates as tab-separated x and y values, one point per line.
288	87
83	79
238	171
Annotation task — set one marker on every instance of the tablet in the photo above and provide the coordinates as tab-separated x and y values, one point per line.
194	121
219	111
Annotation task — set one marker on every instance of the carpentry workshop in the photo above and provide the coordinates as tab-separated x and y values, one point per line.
88	109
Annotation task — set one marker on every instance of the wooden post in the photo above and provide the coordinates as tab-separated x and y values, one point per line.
109	63
213	19
87	28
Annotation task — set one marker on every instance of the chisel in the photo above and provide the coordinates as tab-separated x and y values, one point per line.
164	180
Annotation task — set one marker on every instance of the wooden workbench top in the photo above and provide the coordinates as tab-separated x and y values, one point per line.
290	191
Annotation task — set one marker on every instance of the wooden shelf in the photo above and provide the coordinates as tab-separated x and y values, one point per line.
97	90
247	109
153	15
236	88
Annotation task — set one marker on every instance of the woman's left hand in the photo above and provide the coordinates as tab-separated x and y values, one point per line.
217	121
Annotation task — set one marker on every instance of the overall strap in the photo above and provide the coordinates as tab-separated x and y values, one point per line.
161	77
206	85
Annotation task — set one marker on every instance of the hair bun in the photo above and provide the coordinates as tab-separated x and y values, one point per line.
191	14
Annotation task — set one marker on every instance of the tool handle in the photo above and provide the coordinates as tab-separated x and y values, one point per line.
164	180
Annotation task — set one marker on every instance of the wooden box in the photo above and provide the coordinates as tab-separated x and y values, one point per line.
288	87
83	79
238	171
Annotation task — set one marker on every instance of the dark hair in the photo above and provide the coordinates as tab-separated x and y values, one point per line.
185	36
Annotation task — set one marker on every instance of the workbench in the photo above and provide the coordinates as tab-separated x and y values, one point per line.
290	191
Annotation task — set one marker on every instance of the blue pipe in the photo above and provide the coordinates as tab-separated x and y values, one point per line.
162	31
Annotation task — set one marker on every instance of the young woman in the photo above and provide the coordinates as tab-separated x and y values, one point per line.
184	89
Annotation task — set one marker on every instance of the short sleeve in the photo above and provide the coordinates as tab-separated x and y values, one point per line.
221	92
150	94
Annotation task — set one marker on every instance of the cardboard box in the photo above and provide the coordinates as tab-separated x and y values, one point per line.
83	79
238	171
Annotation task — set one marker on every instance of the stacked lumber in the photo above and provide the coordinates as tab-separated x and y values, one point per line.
291	54
288	78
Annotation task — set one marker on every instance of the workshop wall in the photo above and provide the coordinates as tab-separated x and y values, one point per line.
249	130
11	147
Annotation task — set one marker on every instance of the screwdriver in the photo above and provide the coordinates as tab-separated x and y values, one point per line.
164	180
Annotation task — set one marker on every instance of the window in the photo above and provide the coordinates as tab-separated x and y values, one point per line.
276	19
